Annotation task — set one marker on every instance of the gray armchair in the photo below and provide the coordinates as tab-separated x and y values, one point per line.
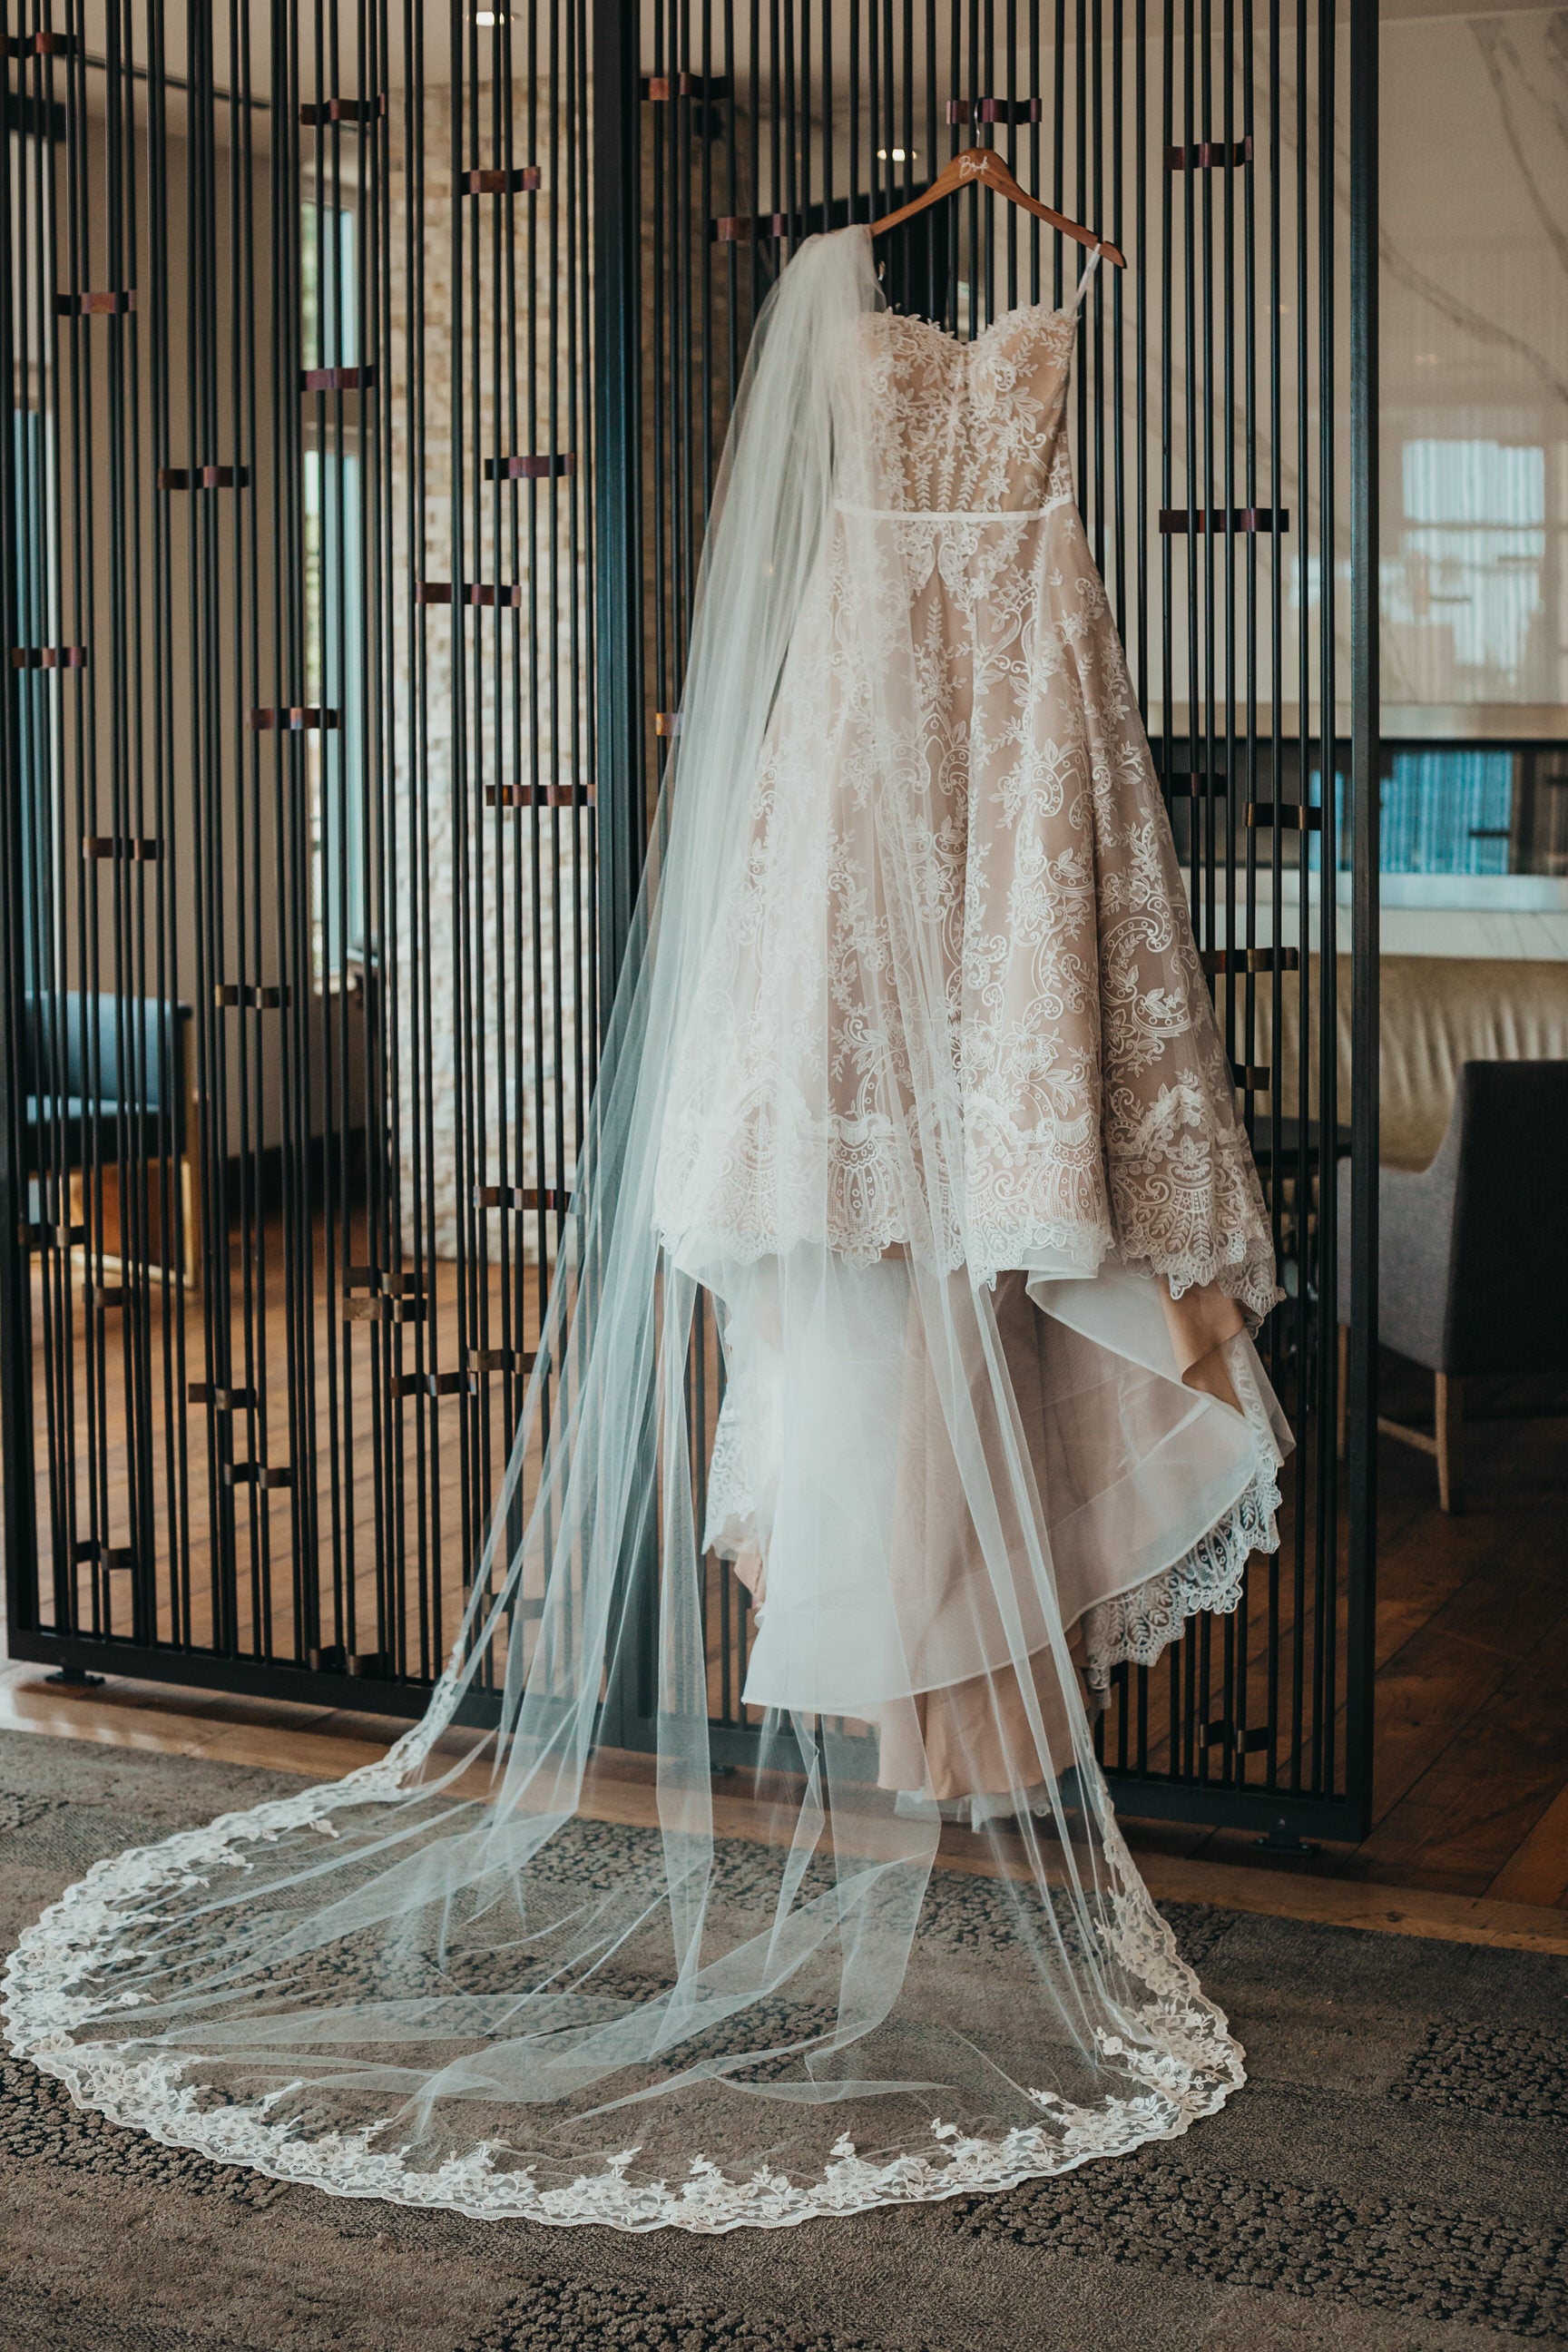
1473	1250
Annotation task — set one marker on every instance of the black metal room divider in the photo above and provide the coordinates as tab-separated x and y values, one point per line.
370	369
302	948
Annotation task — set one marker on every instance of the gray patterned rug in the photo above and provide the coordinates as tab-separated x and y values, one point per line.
1391	2181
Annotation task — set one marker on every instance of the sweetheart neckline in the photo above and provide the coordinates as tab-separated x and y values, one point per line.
971	343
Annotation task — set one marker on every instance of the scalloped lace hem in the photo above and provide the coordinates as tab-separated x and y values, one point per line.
148	2096
1138	1626
1188	2064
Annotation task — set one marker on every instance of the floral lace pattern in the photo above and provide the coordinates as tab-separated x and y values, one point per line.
966	428
960	889
1136	1626
1184	2070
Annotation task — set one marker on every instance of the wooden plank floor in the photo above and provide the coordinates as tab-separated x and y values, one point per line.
381	1567
1471	1774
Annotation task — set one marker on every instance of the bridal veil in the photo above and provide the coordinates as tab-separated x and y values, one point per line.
983	1249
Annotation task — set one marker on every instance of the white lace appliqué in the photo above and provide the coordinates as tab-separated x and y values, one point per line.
1136	1627
1186	2070
956	787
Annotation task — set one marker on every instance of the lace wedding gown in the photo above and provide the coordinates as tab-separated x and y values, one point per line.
914	1074
1097	1173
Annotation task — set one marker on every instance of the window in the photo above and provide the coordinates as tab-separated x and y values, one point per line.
1448	810
1468	572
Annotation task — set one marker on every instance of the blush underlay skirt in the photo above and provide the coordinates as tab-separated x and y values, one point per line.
1150	1438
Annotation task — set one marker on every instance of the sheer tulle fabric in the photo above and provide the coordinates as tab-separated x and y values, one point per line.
916	1084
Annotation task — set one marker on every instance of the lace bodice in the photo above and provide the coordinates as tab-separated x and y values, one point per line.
966	428
956	818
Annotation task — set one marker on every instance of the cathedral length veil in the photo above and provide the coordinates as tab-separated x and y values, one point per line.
451	1978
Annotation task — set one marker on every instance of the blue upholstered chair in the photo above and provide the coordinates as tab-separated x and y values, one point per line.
108	1086
1473	1250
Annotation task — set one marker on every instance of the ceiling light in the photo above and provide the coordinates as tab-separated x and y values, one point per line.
899	154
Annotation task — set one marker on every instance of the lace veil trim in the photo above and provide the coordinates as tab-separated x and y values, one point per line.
1189	2072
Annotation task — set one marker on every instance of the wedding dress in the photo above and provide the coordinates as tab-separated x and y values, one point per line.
915	1075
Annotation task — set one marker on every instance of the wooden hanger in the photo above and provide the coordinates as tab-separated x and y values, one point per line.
983	167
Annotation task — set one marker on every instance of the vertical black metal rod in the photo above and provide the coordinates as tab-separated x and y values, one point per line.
617	447
1244	843
876	144
36	725
241	447
1365	772
20	1020
1059	142
321	452
618	559
1223	861
292	824
1303	1172
385	744
76	398
422	1207
829	115
1167	394
171	831
1144	664
364	959
154	1056
1277	1333
466	496
1326	1366
1117	389
80	1366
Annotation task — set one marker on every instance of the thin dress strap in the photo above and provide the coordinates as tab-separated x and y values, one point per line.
1090	266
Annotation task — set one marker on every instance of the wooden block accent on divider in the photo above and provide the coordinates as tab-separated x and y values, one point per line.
522	182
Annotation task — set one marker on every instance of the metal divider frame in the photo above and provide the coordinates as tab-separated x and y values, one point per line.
602	203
